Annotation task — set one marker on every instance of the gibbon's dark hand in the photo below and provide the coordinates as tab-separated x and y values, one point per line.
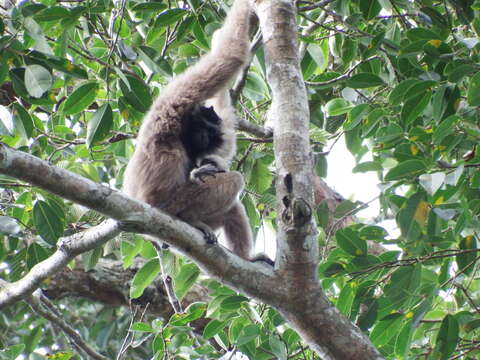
200	173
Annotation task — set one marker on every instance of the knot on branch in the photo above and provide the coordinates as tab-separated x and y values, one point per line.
297	212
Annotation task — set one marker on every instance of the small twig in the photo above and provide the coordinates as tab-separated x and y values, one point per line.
341	77
167	281
41	306
316	5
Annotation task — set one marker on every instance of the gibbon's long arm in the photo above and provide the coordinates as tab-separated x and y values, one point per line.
207	77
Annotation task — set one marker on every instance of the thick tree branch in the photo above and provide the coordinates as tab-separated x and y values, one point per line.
254	279
68	248
296	240
307	309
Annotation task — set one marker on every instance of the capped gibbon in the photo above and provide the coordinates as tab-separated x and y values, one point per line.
187	141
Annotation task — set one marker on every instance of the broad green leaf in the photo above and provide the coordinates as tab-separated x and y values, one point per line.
386	329
232	303
169	17
445	128
38	80
403	340
47	222
6	121
403	286
350	241
356	115
149	6
457	74
338	107
320	55
364	80
80	98
143	327
398	93
473	94
248	333
406	169
447	337
418	89
35	254
52	13
213	328
136	93
466	261
25	119
144	277
185	279
345	298
99	125
413	108
367	166
413	215
278	347
373	232
370	8
422	34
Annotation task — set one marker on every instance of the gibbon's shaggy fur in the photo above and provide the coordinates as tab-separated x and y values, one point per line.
181	142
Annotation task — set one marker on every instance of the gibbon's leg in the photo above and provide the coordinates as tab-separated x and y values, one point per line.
200	201
237	231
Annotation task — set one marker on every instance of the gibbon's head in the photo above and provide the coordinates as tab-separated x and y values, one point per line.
202	132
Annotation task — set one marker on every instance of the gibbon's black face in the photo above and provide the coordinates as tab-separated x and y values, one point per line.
202	134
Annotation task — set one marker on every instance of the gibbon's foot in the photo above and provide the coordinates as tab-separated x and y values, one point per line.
263	258
199	174
207	232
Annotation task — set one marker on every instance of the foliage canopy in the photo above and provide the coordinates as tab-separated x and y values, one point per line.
399	79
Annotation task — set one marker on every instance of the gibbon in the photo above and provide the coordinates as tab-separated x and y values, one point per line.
187	141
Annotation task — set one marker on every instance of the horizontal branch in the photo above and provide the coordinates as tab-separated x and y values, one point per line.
254	279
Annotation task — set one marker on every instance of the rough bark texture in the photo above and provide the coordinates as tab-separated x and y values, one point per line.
307	309
292	287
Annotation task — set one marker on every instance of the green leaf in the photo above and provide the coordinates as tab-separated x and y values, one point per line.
445	128
406	169
414	108
278	347
422	34
52	13
144	277
143	327
38	80
473	94
136	93
12	352
213	328
447	338
398	93
386	329
350	241
47	222
338	107
185	279
149	6
248	333
346	298
25	119
403	341
6	122
370	8
364	80
169	17
80	98
232	303
367	166
466	261
355	116
99	125
403	286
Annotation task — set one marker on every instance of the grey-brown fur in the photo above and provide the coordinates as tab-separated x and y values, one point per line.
158	173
